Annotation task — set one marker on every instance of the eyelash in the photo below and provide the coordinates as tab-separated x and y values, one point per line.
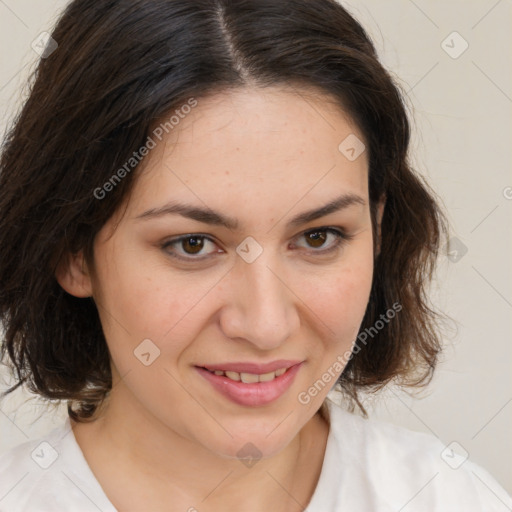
342	238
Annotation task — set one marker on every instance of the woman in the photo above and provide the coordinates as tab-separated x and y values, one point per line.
205	206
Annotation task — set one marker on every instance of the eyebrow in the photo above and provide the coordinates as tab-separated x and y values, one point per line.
209	216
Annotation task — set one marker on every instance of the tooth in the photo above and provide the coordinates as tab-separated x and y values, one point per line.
266	377
280	372
218	372
249	378
233	375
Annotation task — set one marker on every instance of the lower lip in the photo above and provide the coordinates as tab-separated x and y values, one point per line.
253	394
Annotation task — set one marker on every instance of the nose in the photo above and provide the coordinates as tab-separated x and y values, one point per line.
261	306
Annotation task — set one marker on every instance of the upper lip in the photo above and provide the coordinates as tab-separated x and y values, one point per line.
253	368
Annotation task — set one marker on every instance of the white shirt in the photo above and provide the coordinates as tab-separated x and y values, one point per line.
368	466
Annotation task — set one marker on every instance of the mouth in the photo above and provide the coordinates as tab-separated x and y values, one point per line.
251	384
249	378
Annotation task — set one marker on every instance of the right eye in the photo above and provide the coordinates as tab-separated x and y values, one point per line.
185	247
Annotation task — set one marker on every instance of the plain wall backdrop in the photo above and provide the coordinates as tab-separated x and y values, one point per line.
452	58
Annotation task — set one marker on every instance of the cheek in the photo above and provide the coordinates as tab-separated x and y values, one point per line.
145	301
342	303
138	296
339	299
141	299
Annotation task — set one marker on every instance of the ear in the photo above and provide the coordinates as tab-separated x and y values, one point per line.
73	276
380	212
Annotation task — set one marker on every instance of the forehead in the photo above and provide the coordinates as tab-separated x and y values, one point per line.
254	149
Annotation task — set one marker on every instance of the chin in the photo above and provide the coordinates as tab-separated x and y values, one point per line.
252	439
249	450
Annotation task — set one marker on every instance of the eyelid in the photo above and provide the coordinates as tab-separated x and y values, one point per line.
341	234
176	240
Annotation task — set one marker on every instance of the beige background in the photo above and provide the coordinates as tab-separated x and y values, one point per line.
462	111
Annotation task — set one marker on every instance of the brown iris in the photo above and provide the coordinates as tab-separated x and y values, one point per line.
317	237
195	244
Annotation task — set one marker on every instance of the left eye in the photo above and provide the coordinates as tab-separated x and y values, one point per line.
316	239
187	247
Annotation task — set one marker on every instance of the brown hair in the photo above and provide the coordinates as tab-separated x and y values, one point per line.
120	66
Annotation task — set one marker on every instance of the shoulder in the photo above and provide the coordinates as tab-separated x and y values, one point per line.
48	474
402	469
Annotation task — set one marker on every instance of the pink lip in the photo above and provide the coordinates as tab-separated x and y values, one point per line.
258	369
254	394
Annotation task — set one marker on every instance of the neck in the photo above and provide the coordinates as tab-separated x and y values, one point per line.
176	470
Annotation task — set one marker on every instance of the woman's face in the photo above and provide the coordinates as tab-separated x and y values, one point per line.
279	289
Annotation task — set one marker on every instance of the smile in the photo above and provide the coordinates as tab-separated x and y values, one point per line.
250	384
249	378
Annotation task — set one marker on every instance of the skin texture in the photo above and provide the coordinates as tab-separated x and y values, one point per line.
261	156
